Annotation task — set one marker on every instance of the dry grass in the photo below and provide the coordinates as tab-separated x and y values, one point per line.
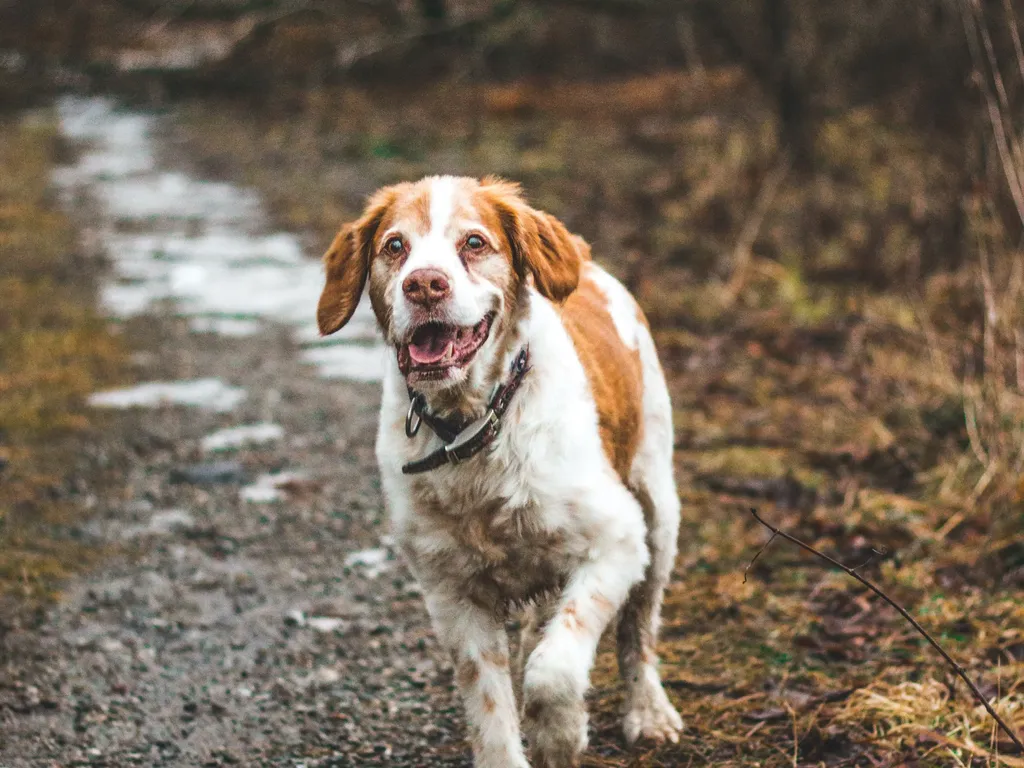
912	713
55	350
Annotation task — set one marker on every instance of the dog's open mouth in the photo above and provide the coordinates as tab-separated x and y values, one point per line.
435	348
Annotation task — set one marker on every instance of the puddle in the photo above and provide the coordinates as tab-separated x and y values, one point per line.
198	246
212	394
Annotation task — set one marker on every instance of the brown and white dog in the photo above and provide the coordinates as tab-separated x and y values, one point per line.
536	369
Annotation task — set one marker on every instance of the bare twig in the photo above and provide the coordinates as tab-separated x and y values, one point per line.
1011	22
949	660
762	549
997	80
875	553
999	132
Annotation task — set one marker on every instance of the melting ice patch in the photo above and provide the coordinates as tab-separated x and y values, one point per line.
247	434
348	361
225	326
373	561
269	487
212	394
199	246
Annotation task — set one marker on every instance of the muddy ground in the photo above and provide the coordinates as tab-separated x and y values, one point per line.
219	630
233	633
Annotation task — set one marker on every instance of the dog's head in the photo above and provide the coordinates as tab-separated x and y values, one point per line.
447	259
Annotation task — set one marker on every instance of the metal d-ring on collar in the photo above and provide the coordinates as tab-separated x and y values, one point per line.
463	441
416	405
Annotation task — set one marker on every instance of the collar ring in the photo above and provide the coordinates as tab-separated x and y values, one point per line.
414	417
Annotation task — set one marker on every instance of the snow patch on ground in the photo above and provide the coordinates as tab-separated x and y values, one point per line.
269	487
373	561
348	361
246	434
199	247
212	394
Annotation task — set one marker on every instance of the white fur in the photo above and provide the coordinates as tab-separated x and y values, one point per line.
621	306
547	479
471	299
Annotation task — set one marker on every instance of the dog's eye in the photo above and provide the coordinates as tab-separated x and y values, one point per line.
475	243
394	246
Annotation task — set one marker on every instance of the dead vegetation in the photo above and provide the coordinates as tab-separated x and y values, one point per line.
55	350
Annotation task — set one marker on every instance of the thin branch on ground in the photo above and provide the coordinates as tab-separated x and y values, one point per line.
751	563
923	632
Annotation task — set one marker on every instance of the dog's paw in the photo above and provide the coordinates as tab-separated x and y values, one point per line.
556	726
558	740
652	716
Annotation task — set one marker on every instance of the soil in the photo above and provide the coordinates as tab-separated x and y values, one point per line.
201	644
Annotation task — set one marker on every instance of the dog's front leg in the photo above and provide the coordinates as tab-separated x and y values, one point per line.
478	644
558	671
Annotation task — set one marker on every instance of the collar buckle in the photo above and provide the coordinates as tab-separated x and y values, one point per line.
467	442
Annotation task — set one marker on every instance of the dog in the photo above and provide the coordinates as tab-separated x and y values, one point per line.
525	451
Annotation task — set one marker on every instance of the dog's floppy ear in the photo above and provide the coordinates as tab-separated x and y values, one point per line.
541	245
347	264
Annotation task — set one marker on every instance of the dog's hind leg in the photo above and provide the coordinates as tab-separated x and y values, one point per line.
648	711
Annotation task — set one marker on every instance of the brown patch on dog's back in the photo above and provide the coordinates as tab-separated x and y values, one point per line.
613	370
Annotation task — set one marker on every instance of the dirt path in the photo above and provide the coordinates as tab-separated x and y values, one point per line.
252	612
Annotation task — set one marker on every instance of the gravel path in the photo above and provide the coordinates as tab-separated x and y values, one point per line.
251	611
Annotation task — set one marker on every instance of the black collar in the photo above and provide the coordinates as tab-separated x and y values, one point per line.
463	440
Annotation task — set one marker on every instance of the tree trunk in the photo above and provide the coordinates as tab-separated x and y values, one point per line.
792	82
434	12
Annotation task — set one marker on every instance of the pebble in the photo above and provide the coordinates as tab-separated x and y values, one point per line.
325	624
327	676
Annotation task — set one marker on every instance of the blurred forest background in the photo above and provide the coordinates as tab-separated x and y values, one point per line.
819	204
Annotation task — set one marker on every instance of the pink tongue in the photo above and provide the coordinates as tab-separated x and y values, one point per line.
430	344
